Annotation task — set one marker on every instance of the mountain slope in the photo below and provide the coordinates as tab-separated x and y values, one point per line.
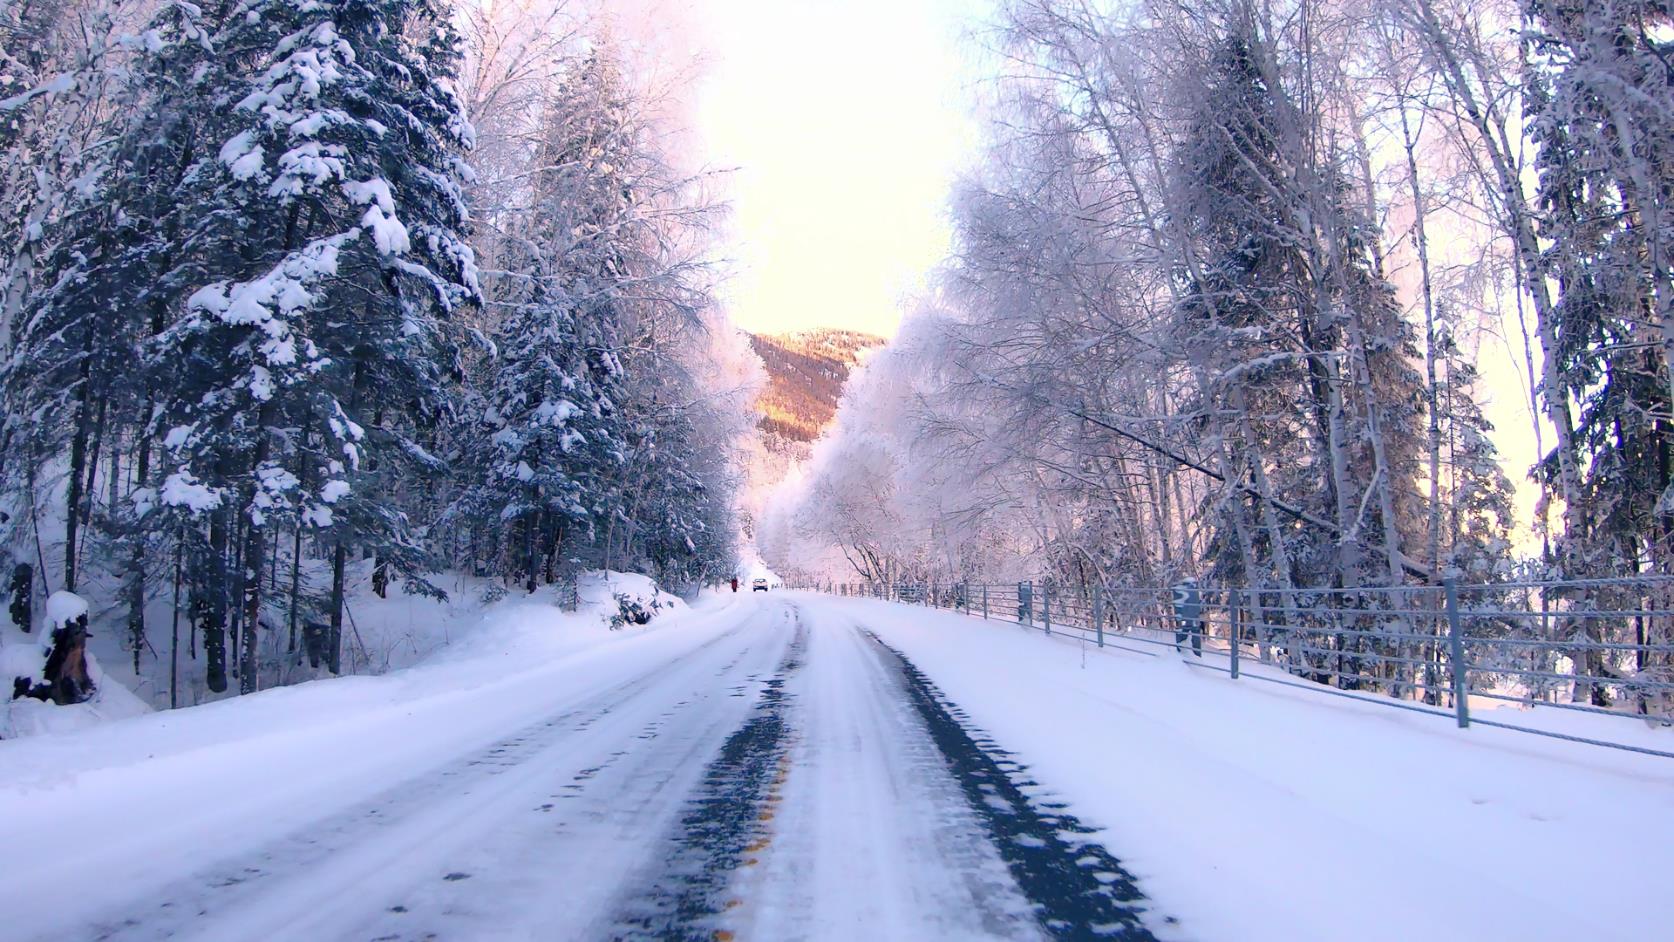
806	372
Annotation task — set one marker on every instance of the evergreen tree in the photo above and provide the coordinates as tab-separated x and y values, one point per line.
1599	95
1243	319
324	246
231	304
1307	362
1478	495
550	410
92	285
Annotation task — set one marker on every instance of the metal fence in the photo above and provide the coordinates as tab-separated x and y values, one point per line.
1601	646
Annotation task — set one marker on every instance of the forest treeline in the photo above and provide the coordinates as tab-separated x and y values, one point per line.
1221	287
295	286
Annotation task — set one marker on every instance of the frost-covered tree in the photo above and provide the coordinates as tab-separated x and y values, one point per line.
1168	342
556	432
1476	495
242	346
595	431
320	249
1287	304
1602	115
84	284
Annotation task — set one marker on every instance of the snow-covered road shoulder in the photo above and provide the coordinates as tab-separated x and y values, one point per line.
1254	812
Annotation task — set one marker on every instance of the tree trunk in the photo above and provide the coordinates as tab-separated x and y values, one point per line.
254	558
531	564
296	585
255	550
136	560
174	637
339	561
78	466
213	623
340	550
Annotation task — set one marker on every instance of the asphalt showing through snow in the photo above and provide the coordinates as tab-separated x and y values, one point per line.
1083	892
1078	889
725	822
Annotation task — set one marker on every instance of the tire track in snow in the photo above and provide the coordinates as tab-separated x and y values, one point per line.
873	838
723	825
1083	892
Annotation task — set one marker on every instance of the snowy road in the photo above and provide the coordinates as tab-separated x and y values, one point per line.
777	773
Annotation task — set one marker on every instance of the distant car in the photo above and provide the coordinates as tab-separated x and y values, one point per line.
758	585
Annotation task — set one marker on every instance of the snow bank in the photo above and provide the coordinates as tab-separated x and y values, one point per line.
531	626
1254	812
381	634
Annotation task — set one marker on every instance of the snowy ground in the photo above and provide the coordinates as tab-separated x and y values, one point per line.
790	766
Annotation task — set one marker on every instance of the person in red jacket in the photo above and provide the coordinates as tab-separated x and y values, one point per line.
735	583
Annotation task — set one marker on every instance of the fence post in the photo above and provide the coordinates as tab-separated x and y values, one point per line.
1046	605
985	601
1456	654
1233	610
1098	611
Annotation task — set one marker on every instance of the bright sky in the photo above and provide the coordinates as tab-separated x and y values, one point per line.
847	121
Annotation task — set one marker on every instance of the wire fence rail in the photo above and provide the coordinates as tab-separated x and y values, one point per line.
1601	646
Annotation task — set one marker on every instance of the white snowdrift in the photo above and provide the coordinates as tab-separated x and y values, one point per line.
1253	812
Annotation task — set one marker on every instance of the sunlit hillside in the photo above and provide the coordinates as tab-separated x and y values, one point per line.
806	372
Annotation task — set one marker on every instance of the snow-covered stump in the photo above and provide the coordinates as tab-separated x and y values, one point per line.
64	677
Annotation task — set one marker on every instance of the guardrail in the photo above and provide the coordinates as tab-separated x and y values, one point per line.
1602	646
